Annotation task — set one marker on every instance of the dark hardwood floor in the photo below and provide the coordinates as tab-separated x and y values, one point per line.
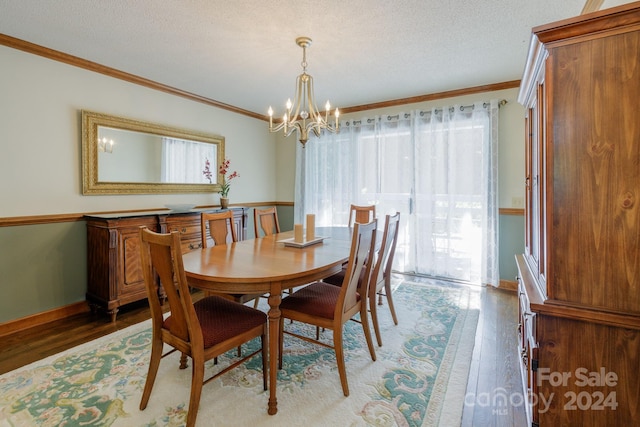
494	376
24	347
495	396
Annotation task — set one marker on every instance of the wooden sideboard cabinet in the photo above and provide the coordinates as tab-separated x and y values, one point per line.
579	277
113	252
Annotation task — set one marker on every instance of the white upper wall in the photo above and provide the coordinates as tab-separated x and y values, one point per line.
40	138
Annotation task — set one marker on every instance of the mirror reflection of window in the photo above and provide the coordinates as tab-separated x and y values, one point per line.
186	161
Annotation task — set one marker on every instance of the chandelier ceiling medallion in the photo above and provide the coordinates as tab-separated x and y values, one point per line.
303	115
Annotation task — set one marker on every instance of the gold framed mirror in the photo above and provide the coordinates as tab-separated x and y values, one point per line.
125	156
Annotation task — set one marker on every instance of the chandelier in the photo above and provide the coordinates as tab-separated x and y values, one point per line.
302	115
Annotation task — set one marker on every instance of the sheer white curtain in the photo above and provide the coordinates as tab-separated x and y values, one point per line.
328	175
178	158
438	168
456	187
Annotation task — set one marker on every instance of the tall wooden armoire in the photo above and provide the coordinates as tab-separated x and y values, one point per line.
579	278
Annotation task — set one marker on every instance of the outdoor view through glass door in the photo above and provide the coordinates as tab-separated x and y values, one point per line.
436	168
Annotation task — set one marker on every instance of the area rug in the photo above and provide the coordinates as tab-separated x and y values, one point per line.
419	378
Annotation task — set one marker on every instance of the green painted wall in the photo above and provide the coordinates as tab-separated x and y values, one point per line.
511	240
42	267
285	217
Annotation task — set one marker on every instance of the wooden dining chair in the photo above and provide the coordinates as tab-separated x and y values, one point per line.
266	221
361	214
330	307
202	330
219	228
380	278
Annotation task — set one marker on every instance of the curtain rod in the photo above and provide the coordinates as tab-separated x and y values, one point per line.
463	107
452	109
437	110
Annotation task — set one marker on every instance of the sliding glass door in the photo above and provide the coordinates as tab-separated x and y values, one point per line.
436	168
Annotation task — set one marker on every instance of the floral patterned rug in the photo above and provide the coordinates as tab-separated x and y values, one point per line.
419	378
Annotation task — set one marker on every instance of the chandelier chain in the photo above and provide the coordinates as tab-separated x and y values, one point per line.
304	60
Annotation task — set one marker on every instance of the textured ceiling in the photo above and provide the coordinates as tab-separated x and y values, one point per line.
243	53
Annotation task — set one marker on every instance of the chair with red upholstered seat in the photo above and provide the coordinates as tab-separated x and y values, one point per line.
330	307
201	331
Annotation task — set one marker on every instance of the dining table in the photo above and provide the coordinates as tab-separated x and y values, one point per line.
269	265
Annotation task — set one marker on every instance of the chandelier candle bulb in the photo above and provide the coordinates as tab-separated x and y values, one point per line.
311	227
297	233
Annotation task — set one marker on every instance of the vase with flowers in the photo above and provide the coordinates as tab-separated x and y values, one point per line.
225	186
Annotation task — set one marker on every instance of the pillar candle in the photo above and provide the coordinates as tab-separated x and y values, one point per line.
297	233
311	227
